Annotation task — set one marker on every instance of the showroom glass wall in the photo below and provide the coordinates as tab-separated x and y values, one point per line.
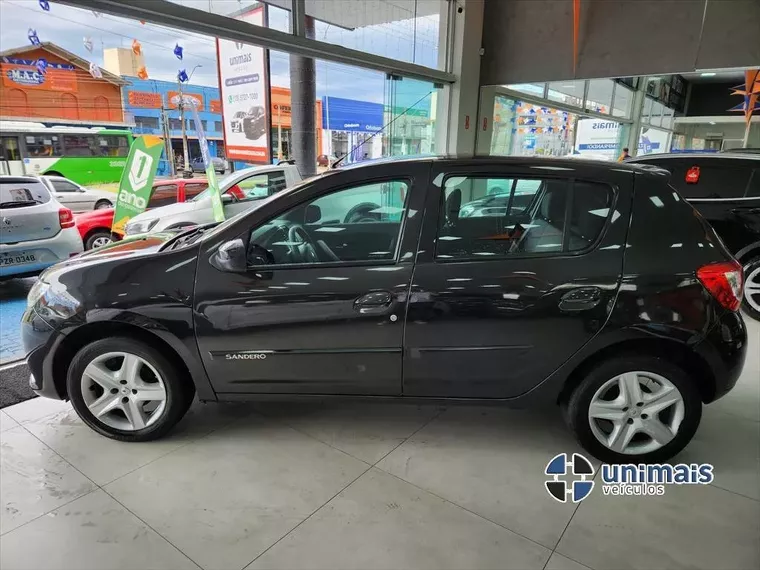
406	123
590	118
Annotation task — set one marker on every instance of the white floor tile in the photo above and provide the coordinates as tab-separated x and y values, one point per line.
33	479
226	498
92	532
103	459
35	409
491	461
688	527
382	522
7	422
559	562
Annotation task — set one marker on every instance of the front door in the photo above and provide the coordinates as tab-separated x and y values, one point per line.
518	270
71	195
10	157
321	308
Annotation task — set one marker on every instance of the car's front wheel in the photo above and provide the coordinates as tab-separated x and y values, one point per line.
751	304
635	409
126	390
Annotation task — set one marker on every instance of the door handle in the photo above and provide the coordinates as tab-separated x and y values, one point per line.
374	303
580	299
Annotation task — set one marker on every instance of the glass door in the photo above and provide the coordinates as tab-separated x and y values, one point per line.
409	116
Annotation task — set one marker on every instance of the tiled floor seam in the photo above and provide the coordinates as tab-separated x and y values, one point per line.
369	468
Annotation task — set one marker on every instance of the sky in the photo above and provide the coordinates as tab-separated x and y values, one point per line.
67	27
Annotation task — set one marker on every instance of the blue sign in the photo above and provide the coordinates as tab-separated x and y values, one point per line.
340	114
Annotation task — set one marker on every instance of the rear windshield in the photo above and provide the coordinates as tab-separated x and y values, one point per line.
18	192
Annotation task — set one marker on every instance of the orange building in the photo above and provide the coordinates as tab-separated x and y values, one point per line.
281	122
66	93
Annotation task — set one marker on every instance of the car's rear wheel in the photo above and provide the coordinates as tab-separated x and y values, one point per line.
124	389
635	409
98	239
102	204
751	303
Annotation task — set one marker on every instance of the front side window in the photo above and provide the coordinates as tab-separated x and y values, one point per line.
258	186
357	224
501	217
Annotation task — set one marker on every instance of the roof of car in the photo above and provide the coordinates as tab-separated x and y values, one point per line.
698	155
540	161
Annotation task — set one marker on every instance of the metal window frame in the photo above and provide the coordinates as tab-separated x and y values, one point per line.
199	21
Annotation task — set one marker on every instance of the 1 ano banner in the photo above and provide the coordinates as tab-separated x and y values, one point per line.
137	180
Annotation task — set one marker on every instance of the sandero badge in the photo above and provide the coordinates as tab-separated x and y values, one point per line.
564	473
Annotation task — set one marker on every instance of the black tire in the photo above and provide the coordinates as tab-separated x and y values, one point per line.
89	243
102	204
576	413
752	268
179	392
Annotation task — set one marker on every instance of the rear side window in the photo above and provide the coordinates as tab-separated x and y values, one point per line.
163	195
710	178
503	217
192	190
17	193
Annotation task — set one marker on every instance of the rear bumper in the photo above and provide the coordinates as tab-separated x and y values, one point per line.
725	350
47	252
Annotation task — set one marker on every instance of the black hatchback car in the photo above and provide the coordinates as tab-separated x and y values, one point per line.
607	294
725	188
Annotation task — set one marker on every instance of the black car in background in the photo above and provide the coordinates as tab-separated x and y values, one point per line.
725	188
605	294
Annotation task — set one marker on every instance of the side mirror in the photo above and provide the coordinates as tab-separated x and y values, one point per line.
230	257
313	214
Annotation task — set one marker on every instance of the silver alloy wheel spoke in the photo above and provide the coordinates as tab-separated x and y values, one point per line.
752	289
636	412
123	399
100	242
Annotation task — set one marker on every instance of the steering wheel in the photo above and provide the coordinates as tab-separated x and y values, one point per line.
300	246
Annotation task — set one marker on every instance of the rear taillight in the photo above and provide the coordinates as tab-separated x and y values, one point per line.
724	281
66	218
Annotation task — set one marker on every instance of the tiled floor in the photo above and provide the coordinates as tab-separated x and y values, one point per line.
362	486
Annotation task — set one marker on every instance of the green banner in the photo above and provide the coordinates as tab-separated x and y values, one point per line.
137	180
217	205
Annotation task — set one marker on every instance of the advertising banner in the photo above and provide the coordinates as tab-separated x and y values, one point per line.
23	73
597	138
172	97
243	87
144	99
340	114
213	185
137	180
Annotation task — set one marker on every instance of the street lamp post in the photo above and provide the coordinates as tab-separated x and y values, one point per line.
187	172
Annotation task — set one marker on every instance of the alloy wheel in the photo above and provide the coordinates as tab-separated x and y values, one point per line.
100	242
752	288
636	412
123	391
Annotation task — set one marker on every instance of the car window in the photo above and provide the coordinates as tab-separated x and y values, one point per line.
62	185
753	191
525	217
192	190
259	186
708	178
357	224
19	192
163	195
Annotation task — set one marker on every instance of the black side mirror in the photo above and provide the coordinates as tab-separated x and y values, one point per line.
313	214
230	257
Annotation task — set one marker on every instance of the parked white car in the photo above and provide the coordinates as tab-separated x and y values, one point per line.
239	192
36	231
76	197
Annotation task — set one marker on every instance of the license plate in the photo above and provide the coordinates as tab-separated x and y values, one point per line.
17	258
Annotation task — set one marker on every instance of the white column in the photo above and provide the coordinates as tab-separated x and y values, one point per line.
458	103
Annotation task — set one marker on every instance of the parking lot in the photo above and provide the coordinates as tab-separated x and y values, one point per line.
347	485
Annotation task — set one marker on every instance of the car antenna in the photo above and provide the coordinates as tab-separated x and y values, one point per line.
385	126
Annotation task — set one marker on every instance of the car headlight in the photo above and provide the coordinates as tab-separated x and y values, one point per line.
39	288
141	227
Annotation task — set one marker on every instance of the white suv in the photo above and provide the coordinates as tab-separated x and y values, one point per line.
36	231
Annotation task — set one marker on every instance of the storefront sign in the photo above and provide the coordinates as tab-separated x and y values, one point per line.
56	78
215	106
340	114
243	87
144	99
172	98
137	180
598	138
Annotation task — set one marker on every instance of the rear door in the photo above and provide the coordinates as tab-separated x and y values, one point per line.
70	195
503	296
27	211
718	187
